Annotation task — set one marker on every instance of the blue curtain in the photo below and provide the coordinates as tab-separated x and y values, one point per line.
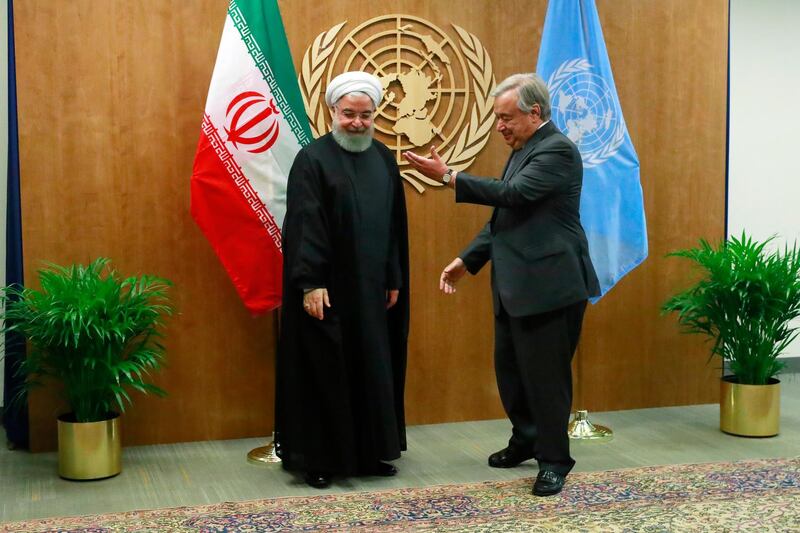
15	415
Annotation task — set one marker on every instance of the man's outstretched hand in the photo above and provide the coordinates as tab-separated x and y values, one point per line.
432	166
451	274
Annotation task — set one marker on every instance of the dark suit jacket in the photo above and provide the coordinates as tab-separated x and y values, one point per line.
539	253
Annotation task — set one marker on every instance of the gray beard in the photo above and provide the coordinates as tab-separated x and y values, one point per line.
353	142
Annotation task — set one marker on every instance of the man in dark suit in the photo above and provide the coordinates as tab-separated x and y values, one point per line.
542	275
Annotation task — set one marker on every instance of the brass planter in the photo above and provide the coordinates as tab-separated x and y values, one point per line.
89	450
750	410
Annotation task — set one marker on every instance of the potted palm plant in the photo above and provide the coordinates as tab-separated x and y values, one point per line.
98	335
745	302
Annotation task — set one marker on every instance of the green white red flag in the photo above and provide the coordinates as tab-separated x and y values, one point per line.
253	126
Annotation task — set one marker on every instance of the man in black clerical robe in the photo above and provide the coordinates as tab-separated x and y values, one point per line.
344	324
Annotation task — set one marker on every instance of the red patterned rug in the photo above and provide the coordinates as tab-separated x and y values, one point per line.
757	496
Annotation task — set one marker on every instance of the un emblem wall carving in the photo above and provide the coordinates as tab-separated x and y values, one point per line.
436	86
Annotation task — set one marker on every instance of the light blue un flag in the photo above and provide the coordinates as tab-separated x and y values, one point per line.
574	62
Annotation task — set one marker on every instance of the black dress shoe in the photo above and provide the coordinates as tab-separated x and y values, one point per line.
383	469
508	457
318	480
548	483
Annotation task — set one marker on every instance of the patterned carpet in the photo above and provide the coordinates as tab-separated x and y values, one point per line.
758	496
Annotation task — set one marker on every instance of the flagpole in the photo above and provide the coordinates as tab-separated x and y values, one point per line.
268	454
580	428
573	58
232	168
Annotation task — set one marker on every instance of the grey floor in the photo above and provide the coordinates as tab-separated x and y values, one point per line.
212	472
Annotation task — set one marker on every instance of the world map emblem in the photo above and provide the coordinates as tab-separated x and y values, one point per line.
584	108
436	87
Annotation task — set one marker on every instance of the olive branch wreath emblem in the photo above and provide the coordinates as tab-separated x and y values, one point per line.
470	141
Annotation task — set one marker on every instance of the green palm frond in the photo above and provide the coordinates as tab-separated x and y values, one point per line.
92	330
745	302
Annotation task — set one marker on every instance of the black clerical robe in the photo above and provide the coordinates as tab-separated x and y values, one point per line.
340	381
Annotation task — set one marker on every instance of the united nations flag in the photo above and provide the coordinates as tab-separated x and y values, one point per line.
574	62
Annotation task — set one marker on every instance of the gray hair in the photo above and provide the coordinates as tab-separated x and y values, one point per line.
531	89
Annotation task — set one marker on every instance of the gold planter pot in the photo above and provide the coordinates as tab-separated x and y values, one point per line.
89	450
750	410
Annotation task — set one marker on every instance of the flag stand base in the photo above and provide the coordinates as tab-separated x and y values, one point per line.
581	429
264	455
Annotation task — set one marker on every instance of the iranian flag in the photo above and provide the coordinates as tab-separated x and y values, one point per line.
254	124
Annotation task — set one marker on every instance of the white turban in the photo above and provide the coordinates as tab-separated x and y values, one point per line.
350	82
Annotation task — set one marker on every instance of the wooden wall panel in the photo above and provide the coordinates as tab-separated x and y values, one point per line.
110	106
669	61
